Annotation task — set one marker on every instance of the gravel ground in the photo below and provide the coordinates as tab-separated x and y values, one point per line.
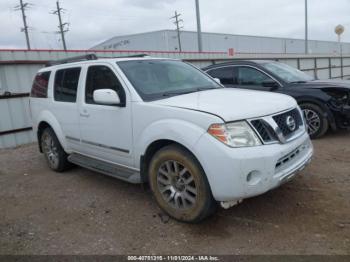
82	212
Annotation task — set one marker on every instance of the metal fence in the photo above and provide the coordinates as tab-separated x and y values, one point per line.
18	67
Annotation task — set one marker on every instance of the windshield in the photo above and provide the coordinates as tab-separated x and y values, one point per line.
155	79
287	73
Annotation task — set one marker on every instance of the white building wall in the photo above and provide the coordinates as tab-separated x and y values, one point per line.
148	42
166	40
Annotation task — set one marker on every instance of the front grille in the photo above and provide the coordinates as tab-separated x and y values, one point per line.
282	127
263	130
281	121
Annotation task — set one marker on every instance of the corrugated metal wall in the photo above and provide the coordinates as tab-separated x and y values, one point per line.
17	70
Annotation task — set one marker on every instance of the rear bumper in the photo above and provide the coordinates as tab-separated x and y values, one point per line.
238	173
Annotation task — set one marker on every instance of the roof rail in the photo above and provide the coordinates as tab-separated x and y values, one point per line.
125	56
72	60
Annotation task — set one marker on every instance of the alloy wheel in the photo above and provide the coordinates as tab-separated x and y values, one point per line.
176	185
50	150
313	121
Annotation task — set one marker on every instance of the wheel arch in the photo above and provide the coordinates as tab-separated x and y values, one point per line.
152	149
162	133
48	120
322	104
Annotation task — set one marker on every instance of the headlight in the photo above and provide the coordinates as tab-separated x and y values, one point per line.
339	96
237	134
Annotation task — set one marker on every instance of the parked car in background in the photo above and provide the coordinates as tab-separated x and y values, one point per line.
167	123
325	104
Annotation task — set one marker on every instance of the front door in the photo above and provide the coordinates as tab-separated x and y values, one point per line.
106	130
251	78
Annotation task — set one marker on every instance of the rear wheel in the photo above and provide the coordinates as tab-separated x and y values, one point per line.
179	185
316	122
55	155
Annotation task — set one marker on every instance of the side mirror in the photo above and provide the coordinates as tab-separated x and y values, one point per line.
106	97
217	80
271	83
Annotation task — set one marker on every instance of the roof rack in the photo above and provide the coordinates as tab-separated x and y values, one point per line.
87	58
125	56
72	60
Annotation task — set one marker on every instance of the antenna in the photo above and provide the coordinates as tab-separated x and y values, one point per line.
178	27
23	6
62	26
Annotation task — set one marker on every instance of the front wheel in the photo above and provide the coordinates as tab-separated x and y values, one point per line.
316	122
179	185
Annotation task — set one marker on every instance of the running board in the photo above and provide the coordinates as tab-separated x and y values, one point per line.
117	171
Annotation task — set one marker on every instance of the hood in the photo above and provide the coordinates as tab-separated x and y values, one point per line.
327	84
232	104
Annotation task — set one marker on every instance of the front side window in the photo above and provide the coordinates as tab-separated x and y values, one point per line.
40	85
101	77
156	79
66	84
225	74
248	76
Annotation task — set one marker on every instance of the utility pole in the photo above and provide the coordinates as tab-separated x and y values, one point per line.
199	30
23	6
306	29
177	23
61	26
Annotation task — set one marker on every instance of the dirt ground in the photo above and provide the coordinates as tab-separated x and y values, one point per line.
82	212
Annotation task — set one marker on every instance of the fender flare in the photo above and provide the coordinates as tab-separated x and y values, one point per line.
185	134
47	117
329	115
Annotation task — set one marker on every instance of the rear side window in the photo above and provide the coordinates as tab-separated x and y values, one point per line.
225	74
40	85
66	84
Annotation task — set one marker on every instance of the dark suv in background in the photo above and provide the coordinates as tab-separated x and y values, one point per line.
326	103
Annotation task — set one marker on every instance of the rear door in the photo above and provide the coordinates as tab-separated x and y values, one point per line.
225	74
106	130
64	104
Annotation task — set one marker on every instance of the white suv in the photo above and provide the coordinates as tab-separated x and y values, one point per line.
165	122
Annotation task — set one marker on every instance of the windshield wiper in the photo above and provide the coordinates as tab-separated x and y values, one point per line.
174	93
298	82
207	88
184	92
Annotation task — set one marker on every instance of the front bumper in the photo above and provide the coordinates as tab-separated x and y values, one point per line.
341	116
239	173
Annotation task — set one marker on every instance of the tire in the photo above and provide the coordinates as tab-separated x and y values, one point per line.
317	123
55	155
176	175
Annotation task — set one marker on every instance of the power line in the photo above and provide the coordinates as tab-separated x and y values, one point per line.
178	27
63	27
23	6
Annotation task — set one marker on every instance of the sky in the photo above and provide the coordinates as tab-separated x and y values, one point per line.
93	21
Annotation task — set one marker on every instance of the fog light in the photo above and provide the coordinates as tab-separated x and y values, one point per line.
253	178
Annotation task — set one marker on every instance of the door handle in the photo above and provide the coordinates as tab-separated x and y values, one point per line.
84	114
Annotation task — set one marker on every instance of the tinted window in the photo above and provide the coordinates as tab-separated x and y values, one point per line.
156	79
40	85
225	74
66	84
101	77
251	77
287	73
